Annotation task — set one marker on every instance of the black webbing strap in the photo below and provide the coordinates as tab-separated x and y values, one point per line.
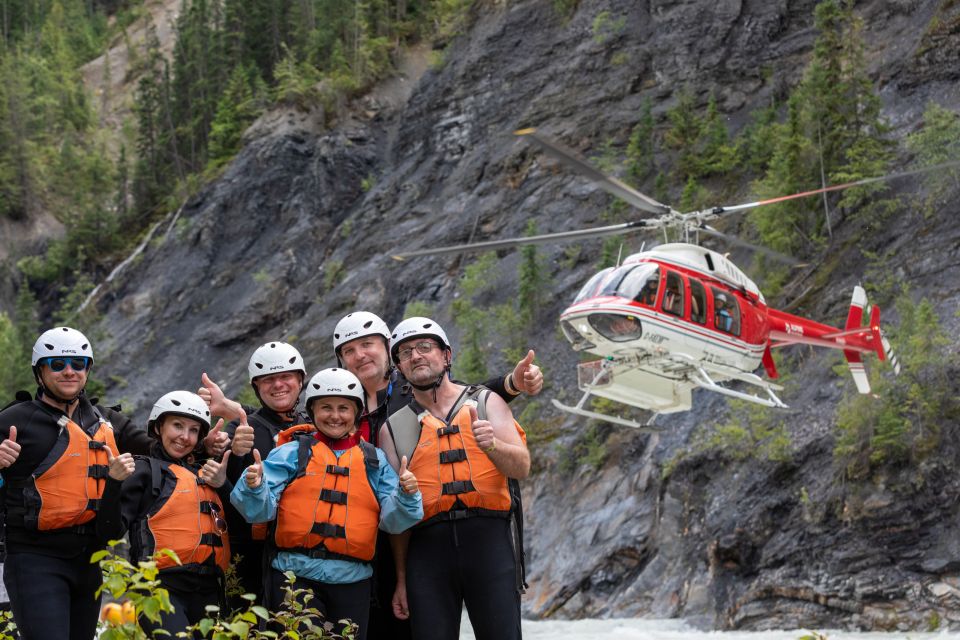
333	496
328	530
457	487
337	470
448	431
453	455
98	471
211	540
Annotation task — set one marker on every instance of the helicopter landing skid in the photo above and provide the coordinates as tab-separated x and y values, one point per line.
586	413
704	381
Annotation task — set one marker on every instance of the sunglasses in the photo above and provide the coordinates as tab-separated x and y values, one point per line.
59	364
218	520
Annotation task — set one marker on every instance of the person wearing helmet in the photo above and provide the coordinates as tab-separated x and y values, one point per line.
62	473
328	491
361	343
722	317
463	445
173	502
277	373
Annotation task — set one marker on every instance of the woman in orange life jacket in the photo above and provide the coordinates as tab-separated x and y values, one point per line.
328	490
61	474
170	502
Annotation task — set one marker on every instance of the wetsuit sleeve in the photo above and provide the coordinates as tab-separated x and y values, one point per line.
398	510
109	524
136	494
130	438
260	504
498	386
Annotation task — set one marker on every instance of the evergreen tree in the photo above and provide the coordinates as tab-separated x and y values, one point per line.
937	141
640	149
683	135
238	108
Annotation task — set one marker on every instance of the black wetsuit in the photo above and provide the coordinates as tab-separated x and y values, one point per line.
50	571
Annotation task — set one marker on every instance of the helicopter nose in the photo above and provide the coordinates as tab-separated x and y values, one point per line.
616	327
577	341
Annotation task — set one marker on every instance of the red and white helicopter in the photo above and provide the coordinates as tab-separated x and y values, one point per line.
680	316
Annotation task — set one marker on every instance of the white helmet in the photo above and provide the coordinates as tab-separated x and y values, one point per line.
358	324
334	382
61	341
416	327
181	403
275	357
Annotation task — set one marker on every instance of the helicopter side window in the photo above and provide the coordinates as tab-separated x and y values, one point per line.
726	312
673	296
593	286
698	302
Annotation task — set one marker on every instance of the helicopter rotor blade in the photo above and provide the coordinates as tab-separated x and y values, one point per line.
608	183
834	187
547	238
770	253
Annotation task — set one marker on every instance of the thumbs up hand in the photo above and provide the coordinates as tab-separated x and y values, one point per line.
213	395
120	467
527	377
215	473
408	481
216	441
254	473
242	437
9	449
482	432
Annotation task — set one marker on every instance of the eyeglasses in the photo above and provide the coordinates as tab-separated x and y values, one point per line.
59	364
218	521
422	348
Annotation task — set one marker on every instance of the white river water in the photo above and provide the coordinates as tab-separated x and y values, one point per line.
643	629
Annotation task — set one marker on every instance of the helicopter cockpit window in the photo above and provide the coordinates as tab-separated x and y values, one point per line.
639	282
593	286
698	302
673	296
726	312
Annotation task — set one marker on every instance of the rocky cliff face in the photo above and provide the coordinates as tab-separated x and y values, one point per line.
299	230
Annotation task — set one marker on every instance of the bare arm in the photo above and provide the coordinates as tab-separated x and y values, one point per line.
499	439
399	544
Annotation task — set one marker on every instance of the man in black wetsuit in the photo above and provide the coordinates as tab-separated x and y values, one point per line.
61	468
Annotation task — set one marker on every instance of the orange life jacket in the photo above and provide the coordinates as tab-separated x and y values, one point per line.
65	489
329	510
189	521
456	477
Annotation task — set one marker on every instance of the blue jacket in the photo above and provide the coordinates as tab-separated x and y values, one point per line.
398	512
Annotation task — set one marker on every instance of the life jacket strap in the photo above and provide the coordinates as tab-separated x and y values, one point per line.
333	496
338	470
321	553
453	429
93	504
328	530
98	471
456	487
211	540
208	507
96	444
453	455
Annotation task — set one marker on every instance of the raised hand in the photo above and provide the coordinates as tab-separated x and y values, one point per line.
408	481
216	441
219	404
120	467
254	473
482	431
215	473
242	437
527	377
9	449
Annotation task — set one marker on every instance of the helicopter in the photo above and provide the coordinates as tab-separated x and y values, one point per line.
680	316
